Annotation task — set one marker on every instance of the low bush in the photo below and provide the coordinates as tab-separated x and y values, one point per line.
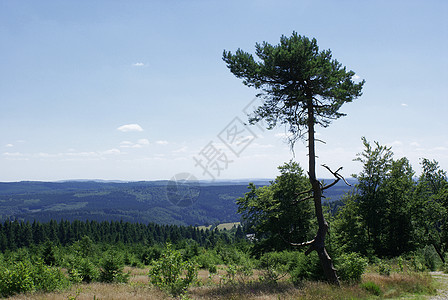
351	266
23	276
208	259
81	269
276	265
111	269
16	278
371	287
384	268
306	267
171	273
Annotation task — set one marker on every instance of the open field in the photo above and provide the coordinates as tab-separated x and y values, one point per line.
395	286
226	226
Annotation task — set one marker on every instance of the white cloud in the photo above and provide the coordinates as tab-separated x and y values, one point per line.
181	150
162	142
9	145
138	64
396	144
130	127
143	142
46	155
139	144
404	104
14	154
82	154
356	77
111	151
126	144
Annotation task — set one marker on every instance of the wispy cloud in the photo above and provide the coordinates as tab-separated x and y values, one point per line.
181	150
143	142
14	154
139	144
162	142
113	151
9	145
130	128
404	104
138	64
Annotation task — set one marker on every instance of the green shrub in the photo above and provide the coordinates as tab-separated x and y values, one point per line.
48	254
23	276
130	259
276	265
230	255
306	267
150	254
213	269
112	269
417	264
429	257
15	279
208	259
171	273
351	266
384	268
48	278
82	269
371	287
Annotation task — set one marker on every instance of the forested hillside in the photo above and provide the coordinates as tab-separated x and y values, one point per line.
131	202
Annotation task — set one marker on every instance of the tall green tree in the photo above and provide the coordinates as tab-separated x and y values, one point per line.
302	88
430	207
397	190
272	212
376	161
376	218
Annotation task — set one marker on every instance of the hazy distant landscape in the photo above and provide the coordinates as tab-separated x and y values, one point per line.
144	201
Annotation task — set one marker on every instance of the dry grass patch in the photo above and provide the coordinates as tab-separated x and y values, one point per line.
251	290
100	291
398	284
394	286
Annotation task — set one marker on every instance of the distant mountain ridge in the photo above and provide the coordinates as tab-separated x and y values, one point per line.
134	201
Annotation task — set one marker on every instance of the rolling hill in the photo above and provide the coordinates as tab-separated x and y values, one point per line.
145	201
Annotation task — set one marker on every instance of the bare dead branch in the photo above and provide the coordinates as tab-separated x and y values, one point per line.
336	175
308	243
303	199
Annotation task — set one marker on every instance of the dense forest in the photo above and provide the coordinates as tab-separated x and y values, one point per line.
19	234
135	202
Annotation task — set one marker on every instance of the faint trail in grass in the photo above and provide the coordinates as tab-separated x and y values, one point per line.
442	291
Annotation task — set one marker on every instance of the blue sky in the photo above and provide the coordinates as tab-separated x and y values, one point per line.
137	90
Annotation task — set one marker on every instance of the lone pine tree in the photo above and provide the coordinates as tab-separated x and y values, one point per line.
302	87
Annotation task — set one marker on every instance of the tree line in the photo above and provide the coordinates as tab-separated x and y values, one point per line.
18	234
388	213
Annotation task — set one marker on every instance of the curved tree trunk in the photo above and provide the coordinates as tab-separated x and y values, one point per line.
318	243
